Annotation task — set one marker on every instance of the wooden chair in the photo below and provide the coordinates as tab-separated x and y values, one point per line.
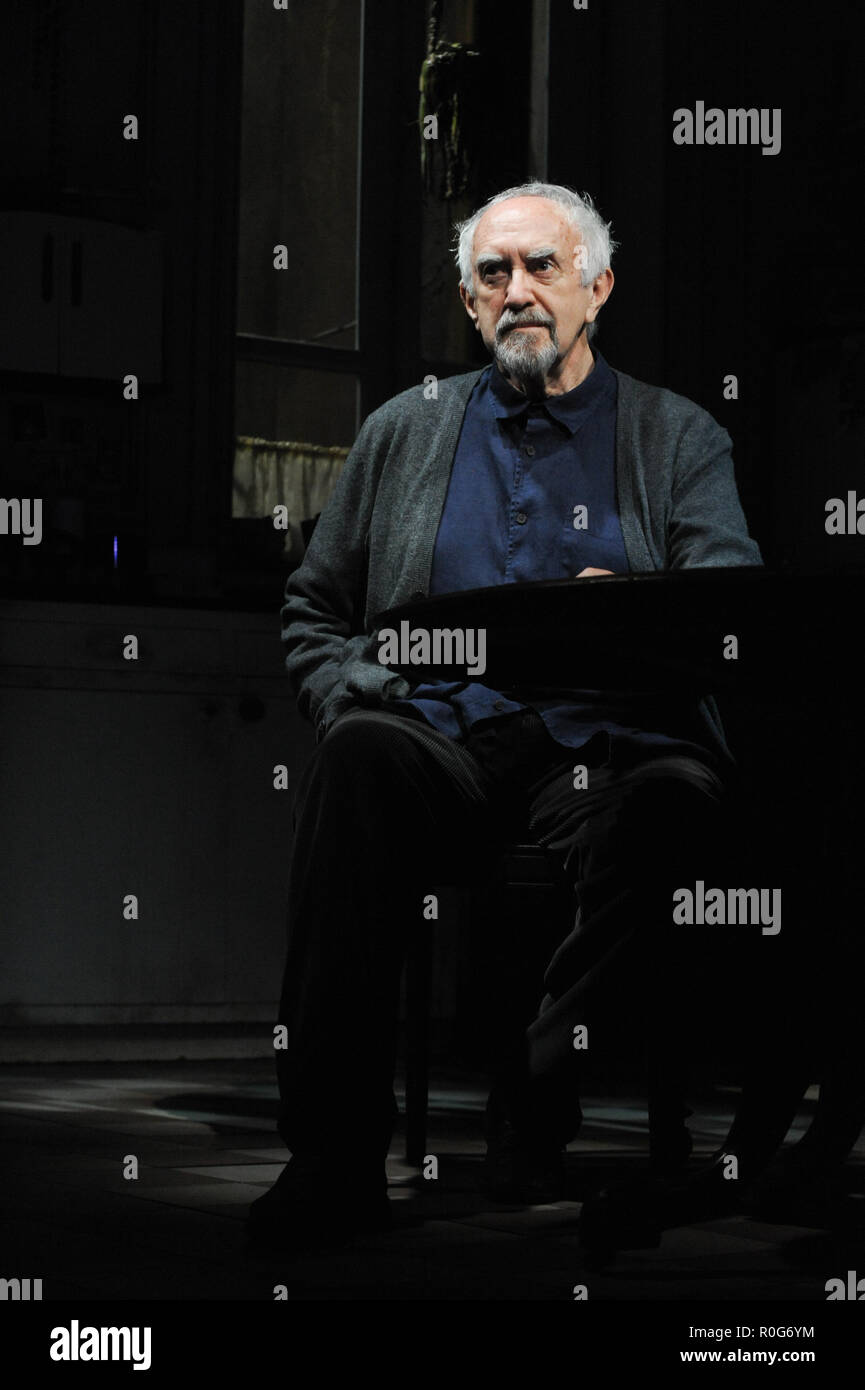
531	883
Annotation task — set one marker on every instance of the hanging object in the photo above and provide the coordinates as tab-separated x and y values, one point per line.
449	84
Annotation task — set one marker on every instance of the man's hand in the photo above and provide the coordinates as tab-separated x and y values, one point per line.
586	573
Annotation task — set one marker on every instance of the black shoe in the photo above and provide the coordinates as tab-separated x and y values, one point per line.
801	1187
633	1215
312	1207
524	1163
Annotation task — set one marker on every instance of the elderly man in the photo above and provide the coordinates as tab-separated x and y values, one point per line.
413	785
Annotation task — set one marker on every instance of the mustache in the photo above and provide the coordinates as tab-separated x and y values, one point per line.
505	324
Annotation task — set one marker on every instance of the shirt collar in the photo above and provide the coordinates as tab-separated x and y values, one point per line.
569	409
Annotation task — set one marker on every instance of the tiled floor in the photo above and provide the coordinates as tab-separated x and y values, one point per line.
203	1136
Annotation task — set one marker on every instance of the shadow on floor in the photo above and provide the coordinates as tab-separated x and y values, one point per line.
132	1181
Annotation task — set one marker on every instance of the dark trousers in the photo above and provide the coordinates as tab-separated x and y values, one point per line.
386	810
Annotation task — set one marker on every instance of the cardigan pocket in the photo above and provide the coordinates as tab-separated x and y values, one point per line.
587	550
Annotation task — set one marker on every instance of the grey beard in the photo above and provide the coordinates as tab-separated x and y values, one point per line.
527	365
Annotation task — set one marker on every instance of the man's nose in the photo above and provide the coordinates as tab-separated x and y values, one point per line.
519	289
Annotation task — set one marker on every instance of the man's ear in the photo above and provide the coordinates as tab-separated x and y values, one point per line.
469	302
601	291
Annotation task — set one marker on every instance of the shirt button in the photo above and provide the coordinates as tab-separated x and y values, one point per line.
530	450
521	518
499	704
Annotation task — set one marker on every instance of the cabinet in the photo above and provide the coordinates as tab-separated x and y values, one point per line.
80	298
151	777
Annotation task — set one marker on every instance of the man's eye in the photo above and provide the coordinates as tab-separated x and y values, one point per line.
545	264
492	276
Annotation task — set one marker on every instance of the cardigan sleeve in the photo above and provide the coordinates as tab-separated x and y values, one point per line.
706	525
332	662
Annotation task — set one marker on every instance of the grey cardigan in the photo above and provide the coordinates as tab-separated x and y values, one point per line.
373	545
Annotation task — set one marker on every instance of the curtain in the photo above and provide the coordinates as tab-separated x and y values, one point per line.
270	473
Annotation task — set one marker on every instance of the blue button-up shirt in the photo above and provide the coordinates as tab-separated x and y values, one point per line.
532	495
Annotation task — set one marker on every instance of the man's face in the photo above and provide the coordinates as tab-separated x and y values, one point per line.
529	303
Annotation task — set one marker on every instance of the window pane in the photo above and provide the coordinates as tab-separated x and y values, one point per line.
300	404
298	175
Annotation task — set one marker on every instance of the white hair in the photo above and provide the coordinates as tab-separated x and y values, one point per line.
581	213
